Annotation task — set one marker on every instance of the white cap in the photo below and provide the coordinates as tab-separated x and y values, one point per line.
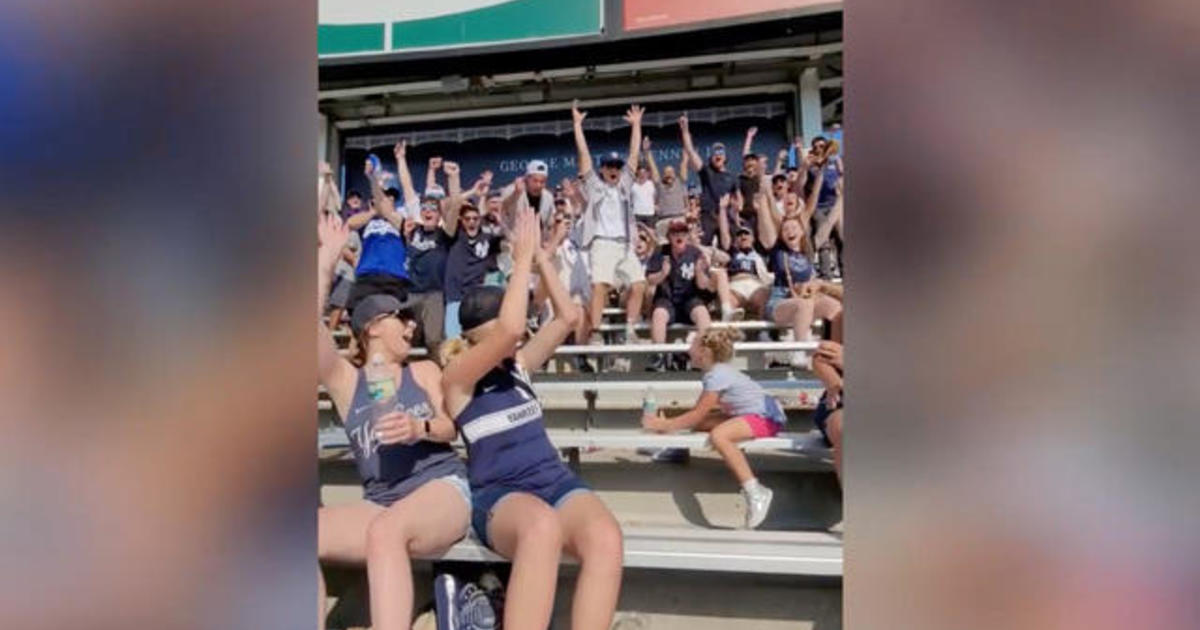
537	167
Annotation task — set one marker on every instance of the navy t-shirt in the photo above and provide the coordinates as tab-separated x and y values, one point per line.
744	262
828	194
680	284
783	258
427	252
469	260
714	184
383	250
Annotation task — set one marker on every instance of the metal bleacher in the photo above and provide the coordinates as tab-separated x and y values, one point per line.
679	517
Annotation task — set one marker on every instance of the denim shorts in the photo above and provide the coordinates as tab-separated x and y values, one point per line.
822	413
778	295
485	500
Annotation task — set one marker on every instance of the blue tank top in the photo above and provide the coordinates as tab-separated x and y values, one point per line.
383	251
384	467
505	436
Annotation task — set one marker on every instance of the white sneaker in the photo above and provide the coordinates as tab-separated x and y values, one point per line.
622	364
757	505
731	314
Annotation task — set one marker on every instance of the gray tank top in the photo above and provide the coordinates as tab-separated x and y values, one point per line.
390	472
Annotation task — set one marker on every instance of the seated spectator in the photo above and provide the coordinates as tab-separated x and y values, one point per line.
794	299
343	282
608	227
381	266
682	273
746	411
828	366
744	283
644	248
671	193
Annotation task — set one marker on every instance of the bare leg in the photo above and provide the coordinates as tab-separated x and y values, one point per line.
341	537
527	531
658	325
599	298
833	426
700	318
825	307
799	313
757	303
633	309
723	293
428	521
724	439
592	535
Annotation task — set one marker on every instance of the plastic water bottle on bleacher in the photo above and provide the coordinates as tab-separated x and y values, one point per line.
381	385
649	403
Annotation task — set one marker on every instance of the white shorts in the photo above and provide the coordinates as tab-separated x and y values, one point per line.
614	263
745	286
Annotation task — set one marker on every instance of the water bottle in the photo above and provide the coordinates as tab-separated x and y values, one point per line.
381	385
649	403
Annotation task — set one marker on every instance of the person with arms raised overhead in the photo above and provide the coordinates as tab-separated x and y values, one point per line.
715	181
608	226
382	263
528	506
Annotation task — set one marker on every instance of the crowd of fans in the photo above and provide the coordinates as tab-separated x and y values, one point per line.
761	243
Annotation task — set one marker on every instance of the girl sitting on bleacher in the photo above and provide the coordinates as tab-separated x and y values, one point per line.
415	494
528	506
745	411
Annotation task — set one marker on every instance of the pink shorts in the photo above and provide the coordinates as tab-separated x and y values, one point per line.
762	427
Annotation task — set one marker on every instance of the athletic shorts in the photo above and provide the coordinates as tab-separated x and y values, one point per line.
451	470
339	295
484	500
679	312
745	286
614	263
762	426
375	283
822	413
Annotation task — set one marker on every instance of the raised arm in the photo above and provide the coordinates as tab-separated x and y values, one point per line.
329	200
464	371
383	204
534	354
435	163
634	118
411	199
689	150
769	220
333	371
650	159
810	203
748	145
581	147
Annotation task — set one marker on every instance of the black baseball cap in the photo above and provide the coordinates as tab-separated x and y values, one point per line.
479	306
612	158
743	230
375	305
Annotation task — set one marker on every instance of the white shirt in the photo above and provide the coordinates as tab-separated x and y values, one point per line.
607	203
643	198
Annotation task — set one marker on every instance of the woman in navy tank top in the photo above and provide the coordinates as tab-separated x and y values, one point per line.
415	494
527	505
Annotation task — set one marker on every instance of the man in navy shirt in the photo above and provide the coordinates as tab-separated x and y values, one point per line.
472	255
715	181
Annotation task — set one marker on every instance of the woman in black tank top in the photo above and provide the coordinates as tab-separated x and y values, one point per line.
425	517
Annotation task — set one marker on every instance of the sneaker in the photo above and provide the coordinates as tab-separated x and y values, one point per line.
732	314
758	503
583	365
445	594
671	455
622	364
475	611
658	364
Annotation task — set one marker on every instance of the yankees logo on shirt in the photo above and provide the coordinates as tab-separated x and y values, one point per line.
688	270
